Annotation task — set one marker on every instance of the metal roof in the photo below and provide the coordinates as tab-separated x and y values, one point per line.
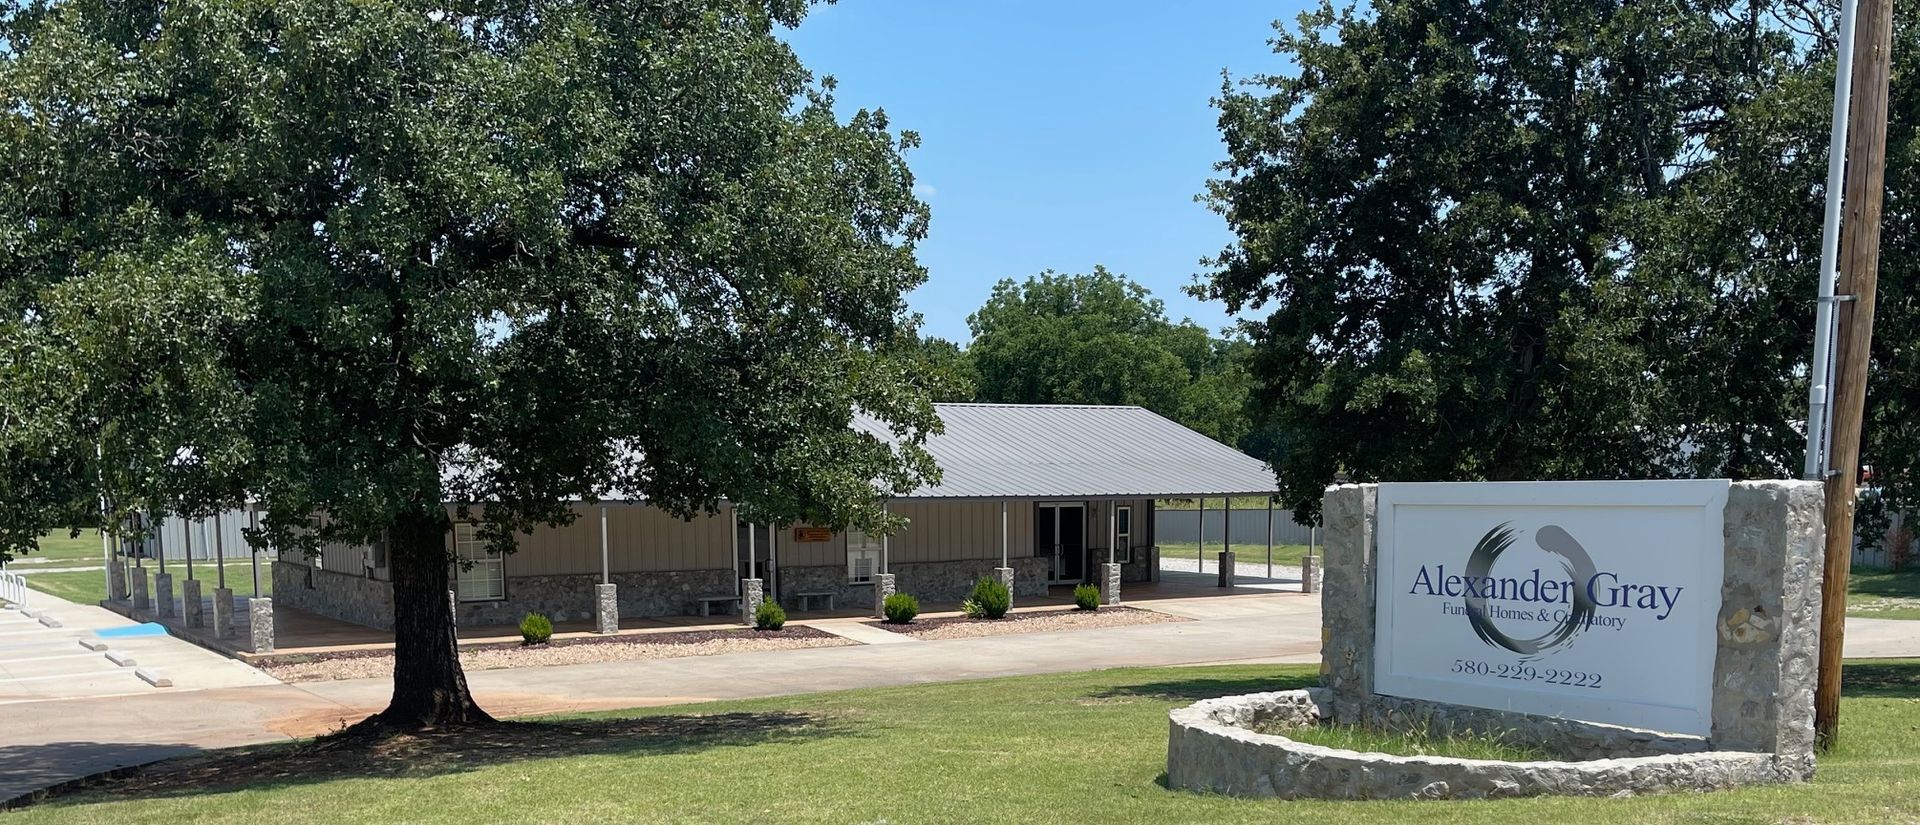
1063	451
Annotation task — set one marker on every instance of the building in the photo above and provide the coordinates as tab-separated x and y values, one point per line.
1050	493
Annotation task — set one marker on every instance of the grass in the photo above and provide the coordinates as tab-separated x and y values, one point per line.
1288	554
90	586
1878	593
59	547
1417	741
1087	747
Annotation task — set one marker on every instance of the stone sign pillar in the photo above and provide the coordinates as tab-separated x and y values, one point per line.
751	595
606	608
1110	583
1005	575
223	612
882	588
163	595
140	590
260	624
1767	630
1226	568
191	609
1346	607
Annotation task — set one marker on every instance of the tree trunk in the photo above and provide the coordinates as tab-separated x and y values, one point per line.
429	688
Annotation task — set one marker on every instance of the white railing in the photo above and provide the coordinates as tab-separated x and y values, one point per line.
13	588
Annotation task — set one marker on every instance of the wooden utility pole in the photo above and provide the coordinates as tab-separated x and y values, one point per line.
1859	272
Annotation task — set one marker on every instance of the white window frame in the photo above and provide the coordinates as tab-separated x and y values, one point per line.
1123	534
862	548
488	570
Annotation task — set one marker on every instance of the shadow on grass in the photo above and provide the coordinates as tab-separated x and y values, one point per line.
1881	680
448	752
1879	581
1195	689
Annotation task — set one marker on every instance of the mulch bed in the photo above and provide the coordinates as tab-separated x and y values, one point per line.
1027	622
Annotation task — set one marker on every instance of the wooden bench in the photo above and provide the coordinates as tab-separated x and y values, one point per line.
729	602
812	601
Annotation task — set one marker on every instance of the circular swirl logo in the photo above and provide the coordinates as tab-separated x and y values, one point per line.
1579	566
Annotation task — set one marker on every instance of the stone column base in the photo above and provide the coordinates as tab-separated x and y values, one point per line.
1110	576
1006	577
163	595
1226	568
751	593
1308	576
140	601
191	609
117	581
882	588
260	622
1153	563
606	608
223	613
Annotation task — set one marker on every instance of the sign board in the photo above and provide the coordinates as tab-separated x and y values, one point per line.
811	534
1590	600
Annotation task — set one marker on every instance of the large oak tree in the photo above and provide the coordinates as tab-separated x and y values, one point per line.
355	260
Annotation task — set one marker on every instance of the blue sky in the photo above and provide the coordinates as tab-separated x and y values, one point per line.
1056	134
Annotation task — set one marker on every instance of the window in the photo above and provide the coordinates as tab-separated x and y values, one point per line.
485	580
1123	535
863	556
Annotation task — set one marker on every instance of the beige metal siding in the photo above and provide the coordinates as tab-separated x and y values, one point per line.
639	539
959	530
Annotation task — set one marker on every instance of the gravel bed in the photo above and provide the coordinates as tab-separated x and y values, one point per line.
960	627
361	664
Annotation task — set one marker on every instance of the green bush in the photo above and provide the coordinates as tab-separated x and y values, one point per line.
535	629
900	608
769	616
993	598
972	609
1086	597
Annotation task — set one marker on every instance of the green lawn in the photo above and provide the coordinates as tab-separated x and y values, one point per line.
1875	593
59	547
1289	554
90	586
1087	747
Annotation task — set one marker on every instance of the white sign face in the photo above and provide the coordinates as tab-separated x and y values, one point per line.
1589	600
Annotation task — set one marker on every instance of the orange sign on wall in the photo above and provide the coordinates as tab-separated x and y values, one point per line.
805	534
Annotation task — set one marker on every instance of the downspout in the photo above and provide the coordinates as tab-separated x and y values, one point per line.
1820	369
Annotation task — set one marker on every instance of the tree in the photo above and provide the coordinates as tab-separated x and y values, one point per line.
1103	339
1560	240
356	260
948	368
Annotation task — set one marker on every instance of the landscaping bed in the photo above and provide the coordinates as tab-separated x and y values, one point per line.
961	627
359	664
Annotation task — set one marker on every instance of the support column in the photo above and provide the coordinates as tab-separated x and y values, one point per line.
606	595
163	596
1270	537
253	553
1226	568
223	612
882	588
1110	576
117	582
751	595
140	601
260	624
1200	538
1308	576
1005	570
192	611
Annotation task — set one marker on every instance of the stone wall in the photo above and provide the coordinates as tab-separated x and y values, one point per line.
952	580
1346	601
349	598
1212	748
1141	569
572	598
823	579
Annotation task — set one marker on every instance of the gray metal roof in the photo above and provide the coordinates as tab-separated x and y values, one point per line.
1063	451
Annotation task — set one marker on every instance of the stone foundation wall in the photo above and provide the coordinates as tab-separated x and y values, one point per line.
572	598
1142	568
823	579
336	595
953	580
1212	748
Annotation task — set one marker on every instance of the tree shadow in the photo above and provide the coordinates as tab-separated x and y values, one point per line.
1881	680
436	753
1197	688
27	770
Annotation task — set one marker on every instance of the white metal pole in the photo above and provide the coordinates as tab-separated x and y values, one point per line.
1113	529
733	518
1200	555
606	576
1226	528
219	554
886	546
753	553
1820	369
1269	537
1003	532
253	522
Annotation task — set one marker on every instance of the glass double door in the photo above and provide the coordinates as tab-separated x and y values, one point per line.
1060	538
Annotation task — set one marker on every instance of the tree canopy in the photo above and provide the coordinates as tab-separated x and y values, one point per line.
1100	338
1551	240
352	260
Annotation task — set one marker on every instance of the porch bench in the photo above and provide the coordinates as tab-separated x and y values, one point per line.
728	603
811	601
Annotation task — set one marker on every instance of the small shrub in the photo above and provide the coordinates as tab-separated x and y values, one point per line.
769	616
900	608
972	609
1086	597
535	629
992	597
